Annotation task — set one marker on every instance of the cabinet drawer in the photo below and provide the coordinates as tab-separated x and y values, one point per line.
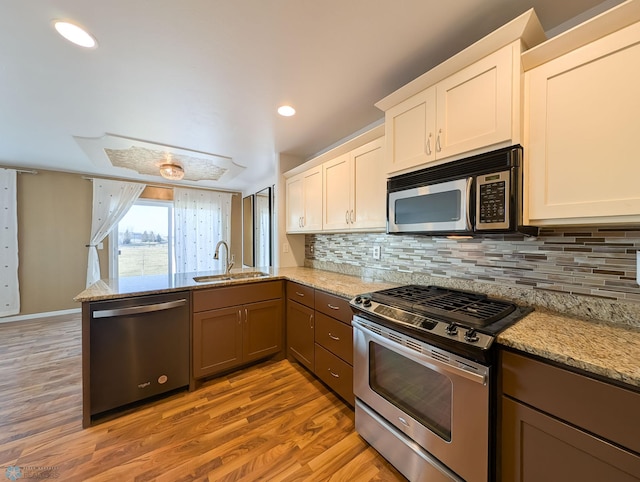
216	298
301	293
579	400
333	306
335	372
335	336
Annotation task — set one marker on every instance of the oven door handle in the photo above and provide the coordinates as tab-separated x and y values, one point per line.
420	357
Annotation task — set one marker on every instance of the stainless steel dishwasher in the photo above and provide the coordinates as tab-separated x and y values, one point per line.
139	348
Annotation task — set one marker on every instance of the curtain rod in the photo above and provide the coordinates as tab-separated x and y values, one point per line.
162	186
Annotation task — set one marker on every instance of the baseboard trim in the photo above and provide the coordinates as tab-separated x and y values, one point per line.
34	316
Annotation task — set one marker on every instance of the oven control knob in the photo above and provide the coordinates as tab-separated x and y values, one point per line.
358	300
452	329
367	302
471	335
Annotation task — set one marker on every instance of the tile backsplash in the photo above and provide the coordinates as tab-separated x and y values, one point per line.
597	262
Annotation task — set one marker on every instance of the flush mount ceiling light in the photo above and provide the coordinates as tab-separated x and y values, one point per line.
173	172
286	110
75	34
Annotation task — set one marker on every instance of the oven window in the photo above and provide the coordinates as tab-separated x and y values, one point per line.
429	208
419	391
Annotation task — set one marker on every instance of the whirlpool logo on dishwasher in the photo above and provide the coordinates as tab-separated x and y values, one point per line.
144	385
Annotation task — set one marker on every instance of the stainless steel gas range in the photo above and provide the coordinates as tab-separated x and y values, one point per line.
423	378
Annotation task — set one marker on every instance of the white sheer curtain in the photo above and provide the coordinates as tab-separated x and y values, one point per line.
9	290
202	218
111	201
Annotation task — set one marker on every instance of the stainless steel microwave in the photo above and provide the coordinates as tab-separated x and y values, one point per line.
474	196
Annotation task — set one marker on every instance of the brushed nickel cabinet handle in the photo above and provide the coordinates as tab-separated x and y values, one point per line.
311	321
333	307
299	294
438	144
336	338
429	144
334	375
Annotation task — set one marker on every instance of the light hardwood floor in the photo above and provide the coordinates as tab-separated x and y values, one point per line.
272	422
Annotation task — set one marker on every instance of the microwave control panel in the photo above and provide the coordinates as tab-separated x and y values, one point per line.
492	200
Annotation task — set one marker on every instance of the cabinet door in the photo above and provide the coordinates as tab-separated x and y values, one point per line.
217	341
336	193
369	187
582	110
300	330
262	333
538	447
410	132
312	192
474	106
295	203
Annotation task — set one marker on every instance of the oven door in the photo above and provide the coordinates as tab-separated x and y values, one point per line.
438	400
442	207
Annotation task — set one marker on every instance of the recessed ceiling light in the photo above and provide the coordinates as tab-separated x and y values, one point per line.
286	110
75	34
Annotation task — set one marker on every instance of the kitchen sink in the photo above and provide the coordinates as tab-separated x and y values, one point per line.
230	276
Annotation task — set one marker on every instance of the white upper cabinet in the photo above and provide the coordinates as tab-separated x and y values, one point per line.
354	190
410	132
304	201
469	104
469	110
583	120
474	107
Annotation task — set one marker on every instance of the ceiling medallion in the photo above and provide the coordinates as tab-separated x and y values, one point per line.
146	158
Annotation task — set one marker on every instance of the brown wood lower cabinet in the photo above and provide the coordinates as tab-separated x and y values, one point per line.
300	329
320	337
560	426
226	337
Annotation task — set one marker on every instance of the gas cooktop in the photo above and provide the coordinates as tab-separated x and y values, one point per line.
469	321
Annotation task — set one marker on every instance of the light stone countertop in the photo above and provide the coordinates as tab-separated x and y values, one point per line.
609	350
606	349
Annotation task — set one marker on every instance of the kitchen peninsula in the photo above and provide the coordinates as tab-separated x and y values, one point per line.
603	349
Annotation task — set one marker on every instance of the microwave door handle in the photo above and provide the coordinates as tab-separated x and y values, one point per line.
468	197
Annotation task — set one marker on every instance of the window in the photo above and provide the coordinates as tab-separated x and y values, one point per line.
142	243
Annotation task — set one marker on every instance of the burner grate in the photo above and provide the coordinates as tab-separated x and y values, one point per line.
450	305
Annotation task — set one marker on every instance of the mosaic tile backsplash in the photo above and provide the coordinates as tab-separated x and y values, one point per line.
598	262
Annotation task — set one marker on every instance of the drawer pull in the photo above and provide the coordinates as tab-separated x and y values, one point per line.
334	375
333	307
300	294
333	337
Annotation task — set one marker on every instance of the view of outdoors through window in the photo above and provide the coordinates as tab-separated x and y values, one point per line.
144	242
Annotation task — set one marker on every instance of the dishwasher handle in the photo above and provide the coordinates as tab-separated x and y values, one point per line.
136	310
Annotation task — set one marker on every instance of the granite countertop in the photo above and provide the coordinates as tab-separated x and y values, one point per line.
604	349
339	284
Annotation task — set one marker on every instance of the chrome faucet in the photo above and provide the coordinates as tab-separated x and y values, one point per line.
228	262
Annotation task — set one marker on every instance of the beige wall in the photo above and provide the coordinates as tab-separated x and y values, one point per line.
54	222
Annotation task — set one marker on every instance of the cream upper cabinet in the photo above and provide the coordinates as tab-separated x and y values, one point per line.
369	191
304	201
466	111
410	132
354	190
582	117
336	193
474	106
